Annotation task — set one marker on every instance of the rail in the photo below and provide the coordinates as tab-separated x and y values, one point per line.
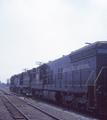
16	107
49	114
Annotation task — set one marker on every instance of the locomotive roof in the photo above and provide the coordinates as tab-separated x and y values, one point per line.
63	58
91	45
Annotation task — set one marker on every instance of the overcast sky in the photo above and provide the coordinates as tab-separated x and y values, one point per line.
44	30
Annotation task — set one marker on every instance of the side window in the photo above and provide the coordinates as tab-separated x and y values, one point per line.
51	74
78	55
73	57
60	70
91	51
85	53
41	74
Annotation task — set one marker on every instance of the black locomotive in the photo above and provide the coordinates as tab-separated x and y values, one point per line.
78	79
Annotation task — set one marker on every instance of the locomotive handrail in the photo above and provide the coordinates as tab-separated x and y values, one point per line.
30	84
88	81
96	80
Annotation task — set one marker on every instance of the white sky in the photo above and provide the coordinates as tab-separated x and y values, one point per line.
44	30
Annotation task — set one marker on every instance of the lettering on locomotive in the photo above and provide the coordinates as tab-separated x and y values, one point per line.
76	67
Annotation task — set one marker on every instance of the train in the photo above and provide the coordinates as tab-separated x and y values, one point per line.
78	79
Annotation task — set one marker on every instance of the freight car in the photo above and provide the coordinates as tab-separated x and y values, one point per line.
78	79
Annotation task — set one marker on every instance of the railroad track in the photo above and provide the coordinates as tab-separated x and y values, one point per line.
21	109
61	114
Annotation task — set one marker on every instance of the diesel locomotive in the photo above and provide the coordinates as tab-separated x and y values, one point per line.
78	79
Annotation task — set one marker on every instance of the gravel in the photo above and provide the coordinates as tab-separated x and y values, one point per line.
57	111
63	113
4	113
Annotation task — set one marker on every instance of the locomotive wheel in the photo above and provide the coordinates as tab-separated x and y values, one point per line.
75	103
58	97
19	90
24	90
88	108
68	103
33	94
81	106
63	100
27	92
16	90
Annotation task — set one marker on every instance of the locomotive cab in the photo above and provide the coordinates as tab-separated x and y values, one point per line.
101	81
97	93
